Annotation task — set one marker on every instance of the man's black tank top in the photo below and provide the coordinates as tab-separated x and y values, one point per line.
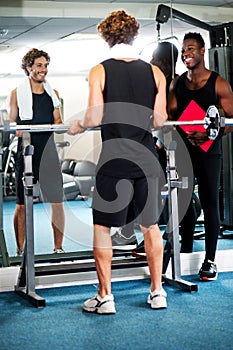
129	93
204	97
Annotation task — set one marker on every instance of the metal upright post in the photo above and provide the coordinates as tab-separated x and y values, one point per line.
3	250
172	246
26	281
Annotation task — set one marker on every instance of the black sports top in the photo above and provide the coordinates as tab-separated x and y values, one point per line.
129	94
204	97
42	107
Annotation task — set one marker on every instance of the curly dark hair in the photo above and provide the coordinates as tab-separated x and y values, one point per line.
118	28
196	36
31	55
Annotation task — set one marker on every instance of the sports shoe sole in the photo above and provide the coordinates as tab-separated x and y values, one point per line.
161	300
206	279
124	247
99	311
139	255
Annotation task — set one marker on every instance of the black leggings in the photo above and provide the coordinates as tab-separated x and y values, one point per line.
207	170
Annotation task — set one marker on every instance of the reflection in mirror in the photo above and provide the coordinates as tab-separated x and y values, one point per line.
79	157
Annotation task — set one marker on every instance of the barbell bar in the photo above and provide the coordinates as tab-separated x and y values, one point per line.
212	120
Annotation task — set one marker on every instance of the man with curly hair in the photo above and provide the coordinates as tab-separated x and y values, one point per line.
126	97
35	102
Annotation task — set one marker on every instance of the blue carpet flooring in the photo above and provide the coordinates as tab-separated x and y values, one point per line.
194	321
202	320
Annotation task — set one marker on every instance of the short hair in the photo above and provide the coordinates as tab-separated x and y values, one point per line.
165	52
118	27
31	55
196	36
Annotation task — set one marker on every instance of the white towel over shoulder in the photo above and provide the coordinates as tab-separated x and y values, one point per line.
123	51
24	98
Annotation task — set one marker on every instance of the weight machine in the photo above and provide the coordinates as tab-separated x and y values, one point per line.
25	286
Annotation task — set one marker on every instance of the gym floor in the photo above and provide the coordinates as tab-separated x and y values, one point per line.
192	320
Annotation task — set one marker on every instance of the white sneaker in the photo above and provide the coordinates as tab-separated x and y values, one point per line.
120	242
19	252
100	305
157	299
58	251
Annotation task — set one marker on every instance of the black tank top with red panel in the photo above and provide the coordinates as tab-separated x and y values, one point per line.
203	97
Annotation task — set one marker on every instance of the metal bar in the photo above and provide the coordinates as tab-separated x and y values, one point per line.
181	284
164	12
223	122
3	250
188	122
69	256
172	249
84	266
13	127
38	127
60	128
32	297
26	281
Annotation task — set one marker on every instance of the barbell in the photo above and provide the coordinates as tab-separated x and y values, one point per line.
212	122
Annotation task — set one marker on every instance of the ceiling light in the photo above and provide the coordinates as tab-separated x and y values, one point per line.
81	36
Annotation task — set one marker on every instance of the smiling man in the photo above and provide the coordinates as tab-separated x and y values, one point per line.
190	96
35	102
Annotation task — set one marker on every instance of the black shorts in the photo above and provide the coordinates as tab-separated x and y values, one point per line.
112	197
46	171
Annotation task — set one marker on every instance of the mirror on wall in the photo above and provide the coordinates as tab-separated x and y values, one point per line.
74	47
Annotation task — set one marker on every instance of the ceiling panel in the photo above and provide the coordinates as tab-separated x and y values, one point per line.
217	3
43	23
